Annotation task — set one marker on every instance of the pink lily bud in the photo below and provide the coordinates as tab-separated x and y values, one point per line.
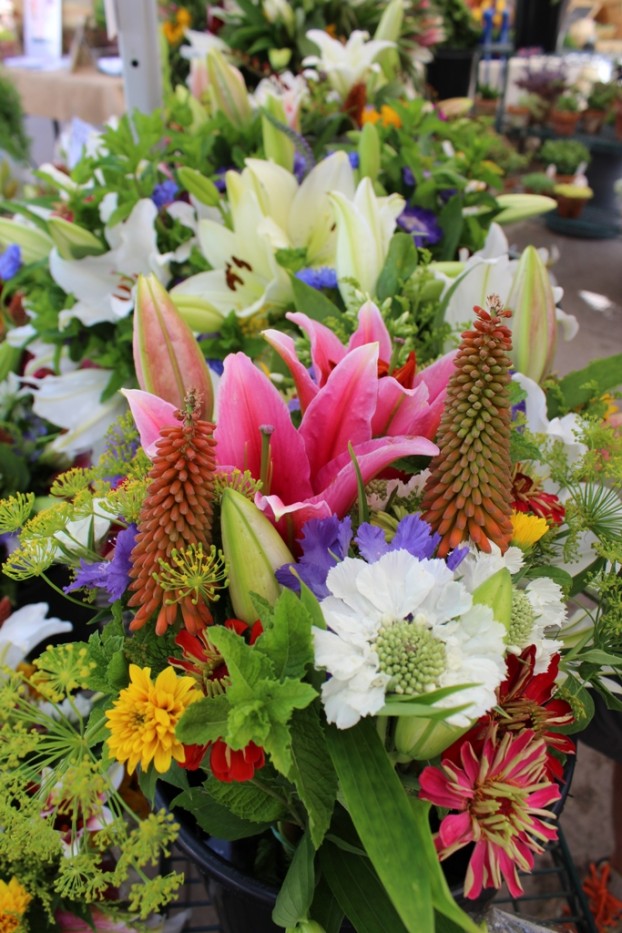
167	357
533	321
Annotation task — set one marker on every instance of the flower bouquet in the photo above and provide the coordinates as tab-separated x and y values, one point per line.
336	612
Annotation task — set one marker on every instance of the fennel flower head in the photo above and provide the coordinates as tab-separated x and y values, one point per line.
143	719
406	626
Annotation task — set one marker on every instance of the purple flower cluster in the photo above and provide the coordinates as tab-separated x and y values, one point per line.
421	224
164	193
111	576
10	262
322	277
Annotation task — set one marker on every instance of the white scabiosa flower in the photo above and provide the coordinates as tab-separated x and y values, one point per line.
538	611
406	626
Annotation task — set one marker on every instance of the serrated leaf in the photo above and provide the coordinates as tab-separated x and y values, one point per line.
214	817
247	801
245	665
287	643
521	448
313	772
296	893
204	721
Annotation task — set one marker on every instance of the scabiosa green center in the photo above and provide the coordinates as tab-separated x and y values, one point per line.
521	622
411	655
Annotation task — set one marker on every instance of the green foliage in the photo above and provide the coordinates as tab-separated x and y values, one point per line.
565	154
13	137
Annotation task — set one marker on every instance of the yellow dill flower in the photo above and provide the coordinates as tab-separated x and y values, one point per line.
143	719
14	901
527	529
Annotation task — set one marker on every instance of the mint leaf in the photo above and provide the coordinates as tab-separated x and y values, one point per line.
246	800
215	818
204	721
245	665
287	642
312	771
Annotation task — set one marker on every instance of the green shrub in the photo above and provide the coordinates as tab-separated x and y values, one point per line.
565	154
13	139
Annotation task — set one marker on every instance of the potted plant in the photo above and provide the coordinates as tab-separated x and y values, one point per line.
566	113
538	183
530	108
565	154
599	102
571	199
449	73
486	100
547	82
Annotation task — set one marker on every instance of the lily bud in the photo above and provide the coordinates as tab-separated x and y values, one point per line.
226	89
254	551
203	189
279	58
419	739
533	322
200	316
390	28
369	152
496	592
33	243
167	357
277	145
73	241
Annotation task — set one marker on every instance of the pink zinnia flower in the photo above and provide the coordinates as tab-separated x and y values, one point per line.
501	797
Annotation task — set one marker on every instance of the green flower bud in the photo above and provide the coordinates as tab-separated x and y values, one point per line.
203	189
496	592
73	241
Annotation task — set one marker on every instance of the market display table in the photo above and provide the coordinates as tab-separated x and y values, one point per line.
62	95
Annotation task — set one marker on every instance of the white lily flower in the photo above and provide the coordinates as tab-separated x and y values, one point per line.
73	401
292	90
345	65
365	226
103	285
24	629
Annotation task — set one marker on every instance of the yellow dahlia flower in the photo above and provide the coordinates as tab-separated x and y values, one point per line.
143	719
527	529
14	901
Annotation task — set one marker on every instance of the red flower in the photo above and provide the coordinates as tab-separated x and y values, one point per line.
228	764
194	755
530	498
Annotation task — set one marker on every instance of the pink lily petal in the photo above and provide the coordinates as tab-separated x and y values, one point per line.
289	519
400	410
247	402
367	451
372	329
150	414
342	412
306	388
435	377
326	348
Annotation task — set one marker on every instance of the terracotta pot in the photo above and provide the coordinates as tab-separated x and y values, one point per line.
563	122
570	208
593	120
517	117
485	107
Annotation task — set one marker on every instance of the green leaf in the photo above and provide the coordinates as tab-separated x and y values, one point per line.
358	891
246	800
393	833
296	893
287	642
204	721
399	265
579	387
521	448
245	665
325	908
313	302
313	772
450	220
216	818
561	577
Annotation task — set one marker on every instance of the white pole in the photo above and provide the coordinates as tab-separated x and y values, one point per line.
136	23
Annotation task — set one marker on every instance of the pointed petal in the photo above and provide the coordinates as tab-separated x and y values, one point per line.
341	413
372	457
372	329
326	348
150	414
306	389
247	402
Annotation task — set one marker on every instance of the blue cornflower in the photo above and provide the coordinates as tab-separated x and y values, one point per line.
325	542
112	576
164	193
421	224
10	262
322	277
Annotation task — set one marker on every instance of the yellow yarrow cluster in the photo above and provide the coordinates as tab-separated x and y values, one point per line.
14	900
387	116
143	719
174	30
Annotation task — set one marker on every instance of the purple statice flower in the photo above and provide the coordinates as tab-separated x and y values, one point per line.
421	224
322	277
413	534
10	262
354	159
164	193
112	576
300	167
407	176
324	543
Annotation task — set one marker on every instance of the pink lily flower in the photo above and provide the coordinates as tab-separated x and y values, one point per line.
307	471
413	408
